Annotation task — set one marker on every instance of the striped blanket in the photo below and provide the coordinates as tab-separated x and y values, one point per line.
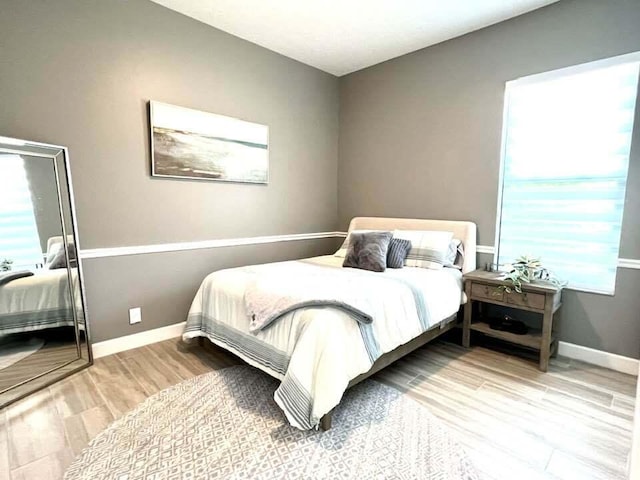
38	301
317	350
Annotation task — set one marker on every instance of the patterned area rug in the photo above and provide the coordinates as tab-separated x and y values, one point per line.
225	424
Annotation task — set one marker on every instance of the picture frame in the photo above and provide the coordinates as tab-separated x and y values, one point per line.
198	145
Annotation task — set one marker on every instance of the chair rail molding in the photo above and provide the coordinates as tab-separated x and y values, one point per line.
216	243
622	262
631	263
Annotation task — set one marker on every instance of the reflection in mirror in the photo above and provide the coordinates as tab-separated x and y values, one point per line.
74	277
40	285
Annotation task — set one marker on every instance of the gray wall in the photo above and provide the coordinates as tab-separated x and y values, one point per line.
80	73
420	137
44	196
164	284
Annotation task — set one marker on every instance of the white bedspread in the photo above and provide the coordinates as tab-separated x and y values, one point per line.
289	286
37	302
316	351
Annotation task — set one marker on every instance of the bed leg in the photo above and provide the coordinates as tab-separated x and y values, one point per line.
325	422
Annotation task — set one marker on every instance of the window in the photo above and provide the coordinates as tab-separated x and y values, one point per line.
19	241
565	155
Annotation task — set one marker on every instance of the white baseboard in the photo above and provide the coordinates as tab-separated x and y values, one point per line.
135	340
569	350
599	358
634	458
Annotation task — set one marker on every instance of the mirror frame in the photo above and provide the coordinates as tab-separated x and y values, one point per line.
60	156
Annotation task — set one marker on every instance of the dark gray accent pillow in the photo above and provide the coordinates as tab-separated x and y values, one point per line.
398	251
368	251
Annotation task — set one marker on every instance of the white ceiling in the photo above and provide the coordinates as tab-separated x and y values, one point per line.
342	36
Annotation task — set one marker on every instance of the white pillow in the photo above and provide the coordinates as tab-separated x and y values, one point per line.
455	255
428	248
342	251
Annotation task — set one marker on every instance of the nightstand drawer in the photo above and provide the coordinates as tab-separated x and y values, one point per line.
490	292
526	299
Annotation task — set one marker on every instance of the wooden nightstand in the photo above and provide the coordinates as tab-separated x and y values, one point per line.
540	297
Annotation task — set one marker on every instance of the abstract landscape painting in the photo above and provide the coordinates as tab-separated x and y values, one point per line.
193	144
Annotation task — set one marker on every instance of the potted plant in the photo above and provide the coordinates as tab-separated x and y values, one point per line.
5	265
526	270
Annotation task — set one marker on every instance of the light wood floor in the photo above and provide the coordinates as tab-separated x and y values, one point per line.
515	422
52	354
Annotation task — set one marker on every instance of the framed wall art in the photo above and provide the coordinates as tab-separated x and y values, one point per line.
188	143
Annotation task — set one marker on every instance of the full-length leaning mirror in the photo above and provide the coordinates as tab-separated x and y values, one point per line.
44	335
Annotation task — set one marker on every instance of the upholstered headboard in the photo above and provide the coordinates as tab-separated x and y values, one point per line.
55	242
465	231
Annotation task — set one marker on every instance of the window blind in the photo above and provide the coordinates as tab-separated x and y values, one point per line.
19	240
566	146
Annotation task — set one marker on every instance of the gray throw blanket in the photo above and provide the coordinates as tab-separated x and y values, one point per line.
6	277
295	285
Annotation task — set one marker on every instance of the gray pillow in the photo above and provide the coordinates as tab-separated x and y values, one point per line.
59	260
368	251
398	252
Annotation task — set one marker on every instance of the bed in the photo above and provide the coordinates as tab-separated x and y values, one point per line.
37	302
42	300
318	351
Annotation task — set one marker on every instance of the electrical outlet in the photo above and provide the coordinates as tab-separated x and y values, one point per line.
135	315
